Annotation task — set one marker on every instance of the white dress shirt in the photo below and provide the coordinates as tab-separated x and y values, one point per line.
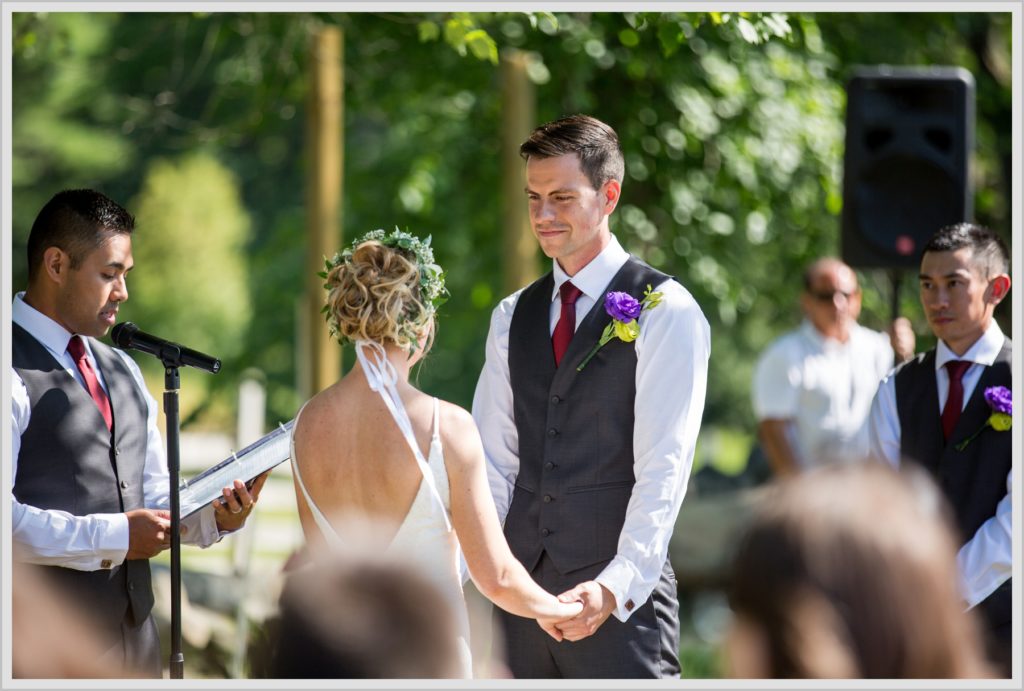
671	379
96	541
986	560
825	387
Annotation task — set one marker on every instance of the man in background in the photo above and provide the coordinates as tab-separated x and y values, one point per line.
813	386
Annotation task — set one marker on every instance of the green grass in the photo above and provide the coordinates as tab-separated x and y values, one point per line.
699	659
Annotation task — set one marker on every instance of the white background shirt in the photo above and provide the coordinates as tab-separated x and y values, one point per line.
58	538
671	379
986	560
825	387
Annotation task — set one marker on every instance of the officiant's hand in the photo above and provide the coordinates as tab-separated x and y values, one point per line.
598	604
235	507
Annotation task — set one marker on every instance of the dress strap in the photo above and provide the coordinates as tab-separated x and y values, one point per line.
436	435
326	529
382	377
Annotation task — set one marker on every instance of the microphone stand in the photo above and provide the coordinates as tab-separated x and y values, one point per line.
173	356
172	382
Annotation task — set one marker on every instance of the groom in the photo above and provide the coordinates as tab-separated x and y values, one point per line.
588	467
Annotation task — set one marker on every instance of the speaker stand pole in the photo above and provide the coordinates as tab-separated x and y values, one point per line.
172	383
896	278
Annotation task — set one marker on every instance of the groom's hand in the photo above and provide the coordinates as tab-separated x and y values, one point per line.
598	604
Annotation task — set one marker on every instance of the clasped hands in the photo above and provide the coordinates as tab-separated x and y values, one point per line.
598	604
149	530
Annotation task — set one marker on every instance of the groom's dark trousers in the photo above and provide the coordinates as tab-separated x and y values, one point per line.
644	646
575	481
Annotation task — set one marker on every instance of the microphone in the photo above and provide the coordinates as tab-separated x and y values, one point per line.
127	335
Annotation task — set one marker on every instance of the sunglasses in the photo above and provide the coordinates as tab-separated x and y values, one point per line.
830	295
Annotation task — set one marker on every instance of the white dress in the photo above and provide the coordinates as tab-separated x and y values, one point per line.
425	537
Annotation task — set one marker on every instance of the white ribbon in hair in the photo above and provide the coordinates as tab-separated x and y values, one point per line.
382	377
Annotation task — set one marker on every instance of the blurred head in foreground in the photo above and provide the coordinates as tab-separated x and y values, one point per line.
50	636
363	619
850	572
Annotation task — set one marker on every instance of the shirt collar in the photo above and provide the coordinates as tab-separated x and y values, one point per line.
45	330
821	340
593	278
983	352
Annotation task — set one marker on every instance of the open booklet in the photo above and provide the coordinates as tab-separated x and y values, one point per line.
262	455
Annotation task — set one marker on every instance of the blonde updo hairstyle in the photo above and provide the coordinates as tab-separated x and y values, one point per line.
374	295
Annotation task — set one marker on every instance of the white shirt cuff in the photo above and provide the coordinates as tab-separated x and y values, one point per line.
113	540
618	577
201	528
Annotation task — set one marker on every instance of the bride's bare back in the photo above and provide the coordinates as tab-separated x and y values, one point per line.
353	457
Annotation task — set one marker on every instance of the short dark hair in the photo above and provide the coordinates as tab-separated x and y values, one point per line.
593	141
76	221
988	251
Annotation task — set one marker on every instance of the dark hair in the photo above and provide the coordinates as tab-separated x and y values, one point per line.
988	251
594	142
76	221
850	571
362	620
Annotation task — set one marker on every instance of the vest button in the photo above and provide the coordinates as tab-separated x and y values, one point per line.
556	399
549	466
552	432
124	484
131	586
545	532
547	499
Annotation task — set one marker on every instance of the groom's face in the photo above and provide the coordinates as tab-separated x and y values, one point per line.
568	216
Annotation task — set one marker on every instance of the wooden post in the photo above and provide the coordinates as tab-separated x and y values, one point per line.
517	121
324	196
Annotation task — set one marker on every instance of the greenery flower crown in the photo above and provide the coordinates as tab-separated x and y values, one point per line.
432	295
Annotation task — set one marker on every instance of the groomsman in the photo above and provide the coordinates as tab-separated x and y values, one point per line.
588	467
933	411
91	488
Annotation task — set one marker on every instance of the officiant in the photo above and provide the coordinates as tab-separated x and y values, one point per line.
91	489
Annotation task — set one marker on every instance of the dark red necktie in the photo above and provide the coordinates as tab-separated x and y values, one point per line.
92	384
955	399
566	325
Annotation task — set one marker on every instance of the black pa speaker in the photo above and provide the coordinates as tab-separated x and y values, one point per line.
909	137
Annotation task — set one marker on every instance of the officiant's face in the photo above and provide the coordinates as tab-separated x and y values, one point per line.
568	216
89	295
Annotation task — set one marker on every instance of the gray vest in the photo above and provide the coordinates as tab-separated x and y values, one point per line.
70	462
575	430
973	480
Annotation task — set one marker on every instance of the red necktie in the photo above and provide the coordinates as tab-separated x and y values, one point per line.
955	399
92	384
566	325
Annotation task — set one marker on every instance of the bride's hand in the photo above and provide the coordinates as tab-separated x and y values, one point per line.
566	611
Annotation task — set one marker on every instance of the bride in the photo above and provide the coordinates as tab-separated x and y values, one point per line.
372	444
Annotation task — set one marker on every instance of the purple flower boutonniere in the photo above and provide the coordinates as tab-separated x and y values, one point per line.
624	310
1000	400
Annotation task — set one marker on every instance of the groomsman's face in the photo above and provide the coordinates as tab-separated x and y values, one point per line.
568	216
958	298
88	297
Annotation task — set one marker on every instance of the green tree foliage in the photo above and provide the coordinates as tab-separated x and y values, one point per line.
192	232
732	124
